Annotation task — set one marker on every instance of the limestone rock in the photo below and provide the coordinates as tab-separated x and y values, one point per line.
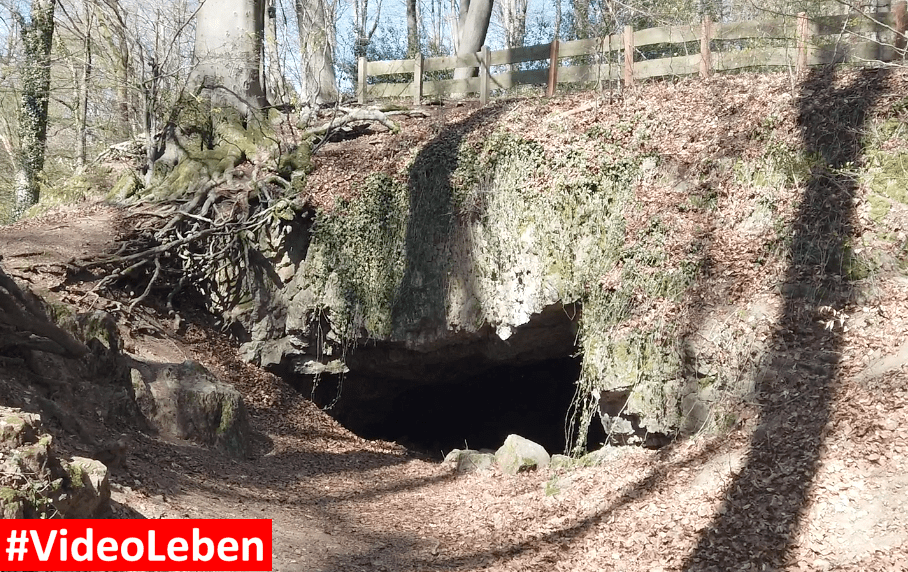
90	494
519	454
469	461
34	483
185	401
17	428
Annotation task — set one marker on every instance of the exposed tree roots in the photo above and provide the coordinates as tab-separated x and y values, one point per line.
205	239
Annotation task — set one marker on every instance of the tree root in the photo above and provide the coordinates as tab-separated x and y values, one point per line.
191	241
24	314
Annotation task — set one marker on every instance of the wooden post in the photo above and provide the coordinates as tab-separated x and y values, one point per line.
628	56
553	69
706	56
484	73
803	38
900	11
417	80
361	88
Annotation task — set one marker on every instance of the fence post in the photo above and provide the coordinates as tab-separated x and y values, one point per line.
485	59
803	38
417	80
361	88
900	10
706	56
628	56
553	69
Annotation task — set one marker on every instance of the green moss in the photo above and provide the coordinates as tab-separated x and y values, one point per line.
128	185
214	141
76	475
228	417
296	161
888	175
879	207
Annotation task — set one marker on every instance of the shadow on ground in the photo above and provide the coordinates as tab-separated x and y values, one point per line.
759	520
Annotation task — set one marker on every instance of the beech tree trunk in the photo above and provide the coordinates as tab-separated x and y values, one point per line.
277	89
474	25
319	83
412	29
228	51
37	38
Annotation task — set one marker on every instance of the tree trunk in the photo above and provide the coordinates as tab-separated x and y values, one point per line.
319	84
557	34
83	88
37	38
412	29
228	51
277	92
473	29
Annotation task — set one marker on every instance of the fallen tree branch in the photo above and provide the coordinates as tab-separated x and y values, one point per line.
352	115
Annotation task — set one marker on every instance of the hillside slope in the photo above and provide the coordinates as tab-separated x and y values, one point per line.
783	207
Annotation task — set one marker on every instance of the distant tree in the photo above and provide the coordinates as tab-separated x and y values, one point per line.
412	28
37	40
316	37
512	15
362	29
277	90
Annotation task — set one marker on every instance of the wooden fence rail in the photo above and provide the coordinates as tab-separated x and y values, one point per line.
795	43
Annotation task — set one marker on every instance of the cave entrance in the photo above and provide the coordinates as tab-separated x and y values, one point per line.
476	410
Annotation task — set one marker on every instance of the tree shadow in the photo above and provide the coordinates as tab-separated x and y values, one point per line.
758	524
420	303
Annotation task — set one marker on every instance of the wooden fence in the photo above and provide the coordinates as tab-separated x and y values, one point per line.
795	43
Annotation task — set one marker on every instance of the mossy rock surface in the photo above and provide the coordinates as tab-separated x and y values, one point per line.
36	483
185	401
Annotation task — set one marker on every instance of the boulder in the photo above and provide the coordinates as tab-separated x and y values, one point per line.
519	454
34	483
469	461
185	401
90	494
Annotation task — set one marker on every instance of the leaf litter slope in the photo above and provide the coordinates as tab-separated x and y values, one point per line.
341	503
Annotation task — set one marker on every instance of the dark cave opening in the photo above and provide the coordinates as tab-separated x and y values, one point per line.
476	410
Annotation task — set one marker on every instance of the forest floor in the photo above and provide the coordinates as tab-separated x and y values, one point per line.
342	503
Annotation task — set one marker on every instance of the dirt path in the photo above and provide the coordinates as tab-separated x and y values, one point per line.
342	503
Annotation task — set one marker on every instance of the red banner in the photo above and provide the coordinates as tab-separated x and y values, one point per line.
136	545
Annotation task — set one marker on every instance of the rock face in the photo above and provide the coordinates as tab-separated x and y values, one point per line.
34	483
185	401
453	268
518	455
